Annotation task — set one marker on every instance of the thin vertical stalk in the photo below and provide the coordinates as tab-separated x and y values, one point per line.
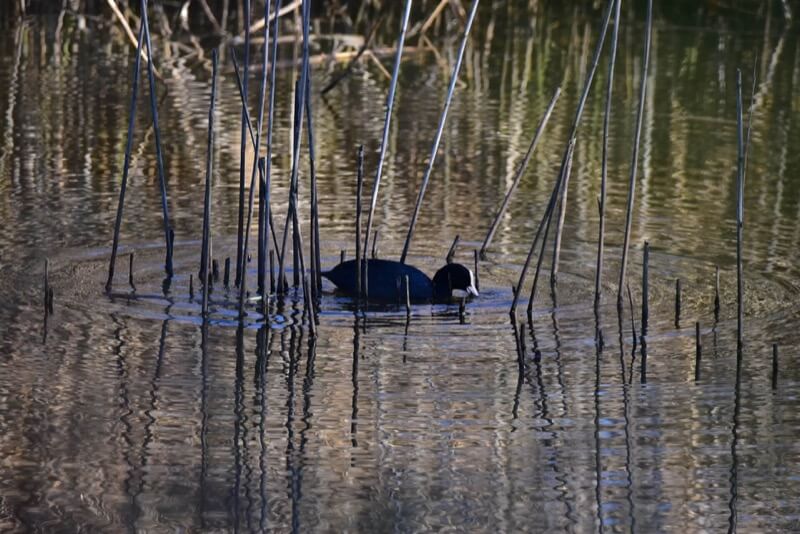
774	366
635	156
205	255
562	203
598	289
645	288
243	145
270	120
565	170
387	119
698	351
315	259
127	162
435	148
256	150
739	215
517	290
300	91
267	221
159	156
520	172
359	187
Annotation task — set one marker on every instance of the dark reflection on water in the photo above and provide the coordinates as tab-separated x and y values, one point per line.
135	415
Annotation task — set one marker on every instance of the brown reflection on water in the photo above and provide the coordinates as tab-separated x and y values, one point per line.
141	418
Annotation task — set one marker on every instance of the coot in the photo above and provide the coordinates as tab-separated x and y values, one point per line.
386	281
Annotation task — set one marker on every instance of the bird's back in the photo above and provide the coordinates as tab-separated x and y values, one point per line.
386	280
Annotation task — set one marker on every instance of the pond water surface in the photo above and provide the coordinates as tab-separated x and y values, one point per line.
125	413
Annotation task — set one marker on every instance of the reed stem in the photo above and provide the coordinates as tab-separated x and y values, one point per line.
774	366
598	288
127	161
517	289
562	203
739	215
130	271
698	351
520	172
645	288
635	154
205	255
452	252
359	186
243	146
477	276
387	120
159	156
678	303
437	139
300	92
565	170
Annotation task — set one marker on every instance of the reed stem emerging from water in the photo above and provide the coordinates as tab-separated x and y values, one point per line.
442	120
635	155
159	157
387	120
698	351
300	91
645	288
598	288
562	203
205	254
243	145
359	187
520	172
127	161
739	215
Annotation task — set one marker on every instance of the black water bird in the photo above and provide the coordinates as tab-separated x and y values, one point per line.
386	281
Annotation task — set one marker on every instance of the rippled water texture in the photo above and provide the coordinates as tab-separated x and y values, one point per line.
126	412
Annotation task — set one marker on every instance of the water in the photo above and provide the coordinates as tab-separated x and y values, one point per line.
127	414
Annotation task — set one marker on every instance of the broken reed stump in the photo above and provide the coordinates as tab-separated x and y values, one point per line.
635	155
408	297
214	270
243	145
716	294
359	187
678	303
130	271
520	172
442	120
374	246
386	121
127	161
226	275
774	366
342	255
739	216
562	202
205	255
191	287
475	255
645	288
698	351
452	252
601	203
46	287
462	308
159	156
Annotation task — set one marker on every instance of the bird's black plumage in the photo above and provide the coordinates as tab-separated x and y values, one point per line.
386	280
